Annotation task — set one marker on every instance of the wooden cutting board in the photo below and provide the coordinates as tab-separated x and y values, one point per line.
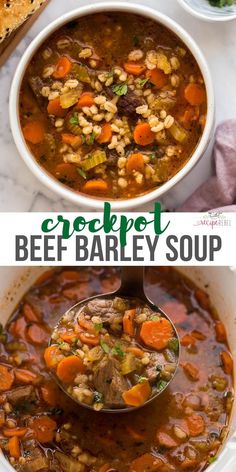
10	43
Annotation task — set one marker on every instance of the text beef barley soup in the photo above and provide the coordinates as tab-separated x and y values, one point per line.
113	105
42	430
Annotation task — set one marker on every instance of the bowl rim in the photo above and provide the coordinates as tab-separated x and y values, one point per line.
49	181
204	16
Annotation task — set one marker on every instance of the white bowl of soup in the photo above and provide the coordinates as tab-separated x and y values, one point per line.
102	109
32	300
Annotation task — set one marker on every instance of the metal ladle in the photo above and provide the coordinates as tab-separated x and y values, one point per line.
132	286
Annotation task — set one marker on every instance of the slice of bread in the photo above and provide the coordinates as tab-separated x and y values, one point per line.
13	13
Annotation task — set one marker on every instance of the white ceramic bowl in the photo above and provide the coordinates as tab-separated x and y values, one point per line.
41	174
203	10
221	284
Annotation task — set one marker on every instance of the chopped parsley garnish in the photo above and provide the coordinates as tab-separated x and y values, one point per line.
118	351
142	380
142	82
98	397
153	155
81	173
154	318
98	326
136	41
120	89
221	3
211	460
74	120
91	138
161	385
173	344
105	347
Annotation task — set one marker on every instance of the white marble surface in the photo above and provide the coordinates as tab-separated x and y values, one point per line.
20	190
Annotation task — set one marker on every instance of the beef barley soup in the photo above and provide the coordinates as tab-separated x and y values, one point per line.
41	429
113	353
113	105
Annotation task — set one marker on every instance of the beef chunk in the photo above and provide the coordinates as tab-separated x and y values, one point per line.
36	460
21	394
128	103
36	85
152	368
104	308
109	381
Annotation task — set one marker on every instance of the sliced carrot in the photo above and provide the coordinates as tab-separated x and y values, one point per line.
220	332
134	68
18	327
191	370
136	435
37	334
143	135
63	68
54	108
106	134
26	376
50	393
227	362
6	378
44	429
95	185
69	367
157	333
29	313
89	338
86	324
157	77
196	425
69	276
202	298
68	337
166	440
86	100
198	335
136	351
51	354
44	277
128	321
146	463
71	139
34	132
14	447
188	340
19	432
137	395
66	171
195	94
135	162
188	116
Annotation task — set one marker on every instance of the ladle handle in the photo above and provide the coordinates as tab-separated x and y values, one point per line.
132	282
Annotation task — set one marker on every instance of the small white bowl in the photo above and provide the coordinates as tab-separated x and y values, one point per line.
203	10
48	180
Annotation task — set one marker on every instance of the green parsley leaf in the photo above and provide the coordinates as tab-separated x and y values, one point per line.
74	120
97	397
161	385
90	139
142	82
213	459
81	173
118	351
98	326
120	89
136	41
173	344
141	379
152	156
105	347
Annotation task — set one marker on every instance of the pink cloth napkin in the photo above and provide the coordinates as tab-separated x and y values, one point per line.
219	190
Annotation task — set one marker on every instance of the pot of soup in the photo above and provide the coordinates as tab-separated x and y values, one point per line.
112	102
190	426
